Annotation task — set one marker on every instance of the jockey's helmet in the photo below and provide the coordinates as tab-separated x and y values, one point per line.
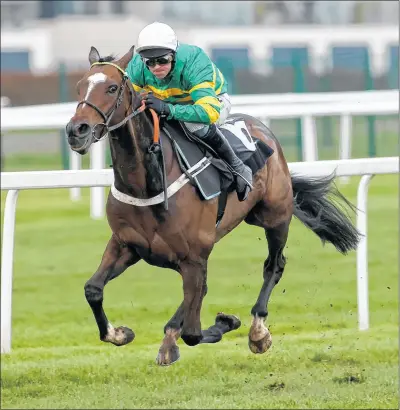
156	40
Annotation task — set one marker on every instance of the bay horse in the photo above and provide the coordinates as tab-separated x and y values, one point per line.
182	236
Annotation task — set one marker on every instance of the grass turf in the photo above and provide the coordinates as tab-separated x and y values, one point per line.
318	358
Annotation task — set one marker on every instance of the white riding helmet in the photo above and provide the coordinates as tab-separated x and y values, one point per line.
156	40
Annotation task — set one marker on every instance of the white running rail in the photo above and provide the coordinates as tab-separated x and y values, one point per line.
305	106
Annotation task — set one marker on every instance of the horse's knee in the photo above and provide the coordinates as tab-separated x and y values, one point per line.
93	293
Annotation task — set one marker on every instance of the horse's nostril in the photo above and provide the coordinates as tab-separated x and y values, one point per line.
83	129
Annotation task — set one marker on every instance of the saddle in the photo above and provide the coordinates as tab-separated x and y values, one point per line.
215	178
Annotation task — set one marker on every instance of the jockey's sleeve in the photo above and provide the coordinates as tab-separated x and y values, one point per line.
200	75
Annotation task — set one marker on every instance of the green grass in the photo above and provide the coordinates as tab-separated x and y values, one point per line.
318	358
37	162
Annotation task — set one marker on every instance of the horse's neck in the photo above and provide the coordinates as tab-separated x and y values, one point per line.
135	170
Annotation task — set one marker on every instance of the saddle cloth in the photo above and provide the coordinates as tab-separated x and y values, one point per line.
216	177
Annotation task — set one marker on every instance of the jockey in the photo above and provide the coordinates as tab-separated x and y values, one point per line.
184	84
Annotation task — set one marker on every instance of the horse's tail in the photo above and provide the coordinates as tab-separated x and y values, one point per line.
326	217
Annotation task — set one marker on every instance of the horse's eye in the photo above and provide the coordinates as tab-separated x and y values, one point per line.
112	89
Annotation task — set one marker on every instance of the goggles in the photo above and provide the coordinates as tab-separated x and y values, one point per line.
152	62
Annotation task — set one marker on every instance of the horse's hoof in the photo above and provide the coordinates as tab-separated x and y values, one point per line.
119	336
168	355
231	320
262	345
260	339
127	335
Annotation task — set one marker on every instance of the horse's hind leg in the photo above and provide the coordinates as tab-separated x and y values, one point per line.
116	259
259	336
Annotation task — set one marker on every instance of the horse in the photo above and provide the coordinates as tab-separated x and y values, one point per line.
155	218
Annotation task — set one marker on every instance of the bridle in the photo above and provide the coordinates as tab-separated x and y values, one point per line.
107	117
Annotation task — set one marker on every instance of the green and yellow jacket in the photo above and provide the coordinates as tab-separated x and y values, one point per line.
190	89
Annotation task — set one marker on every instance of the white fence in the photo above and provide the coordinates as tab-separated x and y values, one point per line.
51	116
16	181
5	102
266	107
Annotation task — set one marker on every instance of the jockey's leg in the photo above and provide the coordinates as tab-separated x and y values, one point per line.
214	137
219	143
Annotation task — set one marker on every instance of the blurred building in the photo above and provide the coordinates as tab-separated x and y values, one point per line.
261	46
17	13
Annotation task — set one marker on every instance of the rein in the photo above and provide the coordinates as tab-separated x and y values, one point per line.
109	115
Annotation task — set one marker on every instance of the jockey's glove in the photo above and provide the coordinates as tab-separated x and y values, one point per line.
159	106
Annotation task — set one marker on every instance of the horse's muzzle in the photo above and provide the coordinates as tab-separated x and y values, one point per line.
78	130
79	136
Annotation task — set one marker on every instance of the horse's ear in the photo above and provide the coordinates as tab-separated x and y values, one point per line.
124	60
94	55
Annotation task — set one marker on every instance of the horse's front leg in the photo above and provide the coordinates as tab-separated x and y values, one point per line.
194	277
169	350
116	259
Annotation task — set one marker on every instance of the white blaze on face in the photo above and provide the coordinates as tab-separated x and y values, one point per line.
94	79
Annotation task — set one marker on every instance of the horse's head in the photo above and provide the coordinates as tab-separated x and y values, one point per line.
105	95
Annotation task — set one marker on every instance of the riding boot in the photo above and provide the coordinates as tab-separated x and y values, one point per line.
244	174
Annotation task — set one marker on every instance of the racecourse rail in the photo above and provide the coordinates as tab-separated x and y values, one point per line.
13	182
305	106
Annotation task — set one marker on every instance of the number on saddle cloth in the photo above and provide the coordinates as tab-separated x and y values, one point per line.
238	136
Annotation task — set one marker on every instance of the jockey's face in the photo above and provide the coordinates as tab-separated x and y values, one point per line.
160	67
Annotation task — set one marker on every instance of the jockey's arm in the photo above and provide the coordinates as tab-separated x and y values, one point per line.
200	77
206	107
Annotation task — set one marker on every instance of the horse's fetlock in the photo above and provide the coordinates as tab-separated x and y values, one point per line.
260	312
